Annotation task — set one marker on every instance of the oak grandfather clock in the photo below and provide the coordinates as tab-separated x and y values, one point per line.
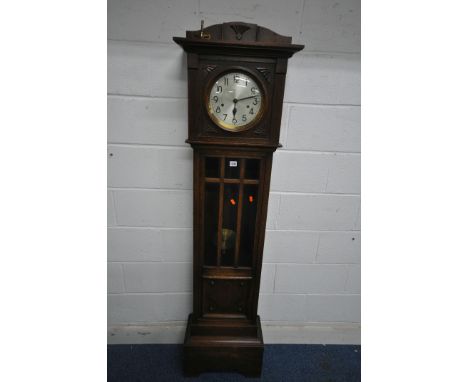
236	77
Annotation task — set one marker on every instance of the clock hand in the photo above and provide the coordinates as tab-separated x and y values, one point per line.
234	111
241	99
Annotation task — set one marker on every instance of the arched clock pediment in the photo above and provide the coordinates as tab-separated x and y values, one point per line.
238	31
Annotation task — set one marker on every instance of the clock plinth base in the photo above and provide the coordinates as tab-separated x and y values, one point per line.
224	347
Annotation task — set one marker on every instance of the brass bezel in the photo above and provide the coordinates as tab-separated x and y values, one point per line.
226	126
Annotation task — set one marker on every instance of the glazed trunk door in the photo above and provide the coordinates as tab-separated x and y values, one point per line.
230	195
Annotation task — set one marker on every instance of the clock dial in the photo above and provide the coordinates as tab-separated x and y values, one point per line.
235	101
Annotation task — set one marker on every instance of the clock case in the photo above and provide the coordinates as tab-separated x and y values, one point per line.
224	331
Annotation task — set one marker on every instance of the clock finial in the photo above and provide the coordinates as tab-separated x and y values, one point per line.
203	34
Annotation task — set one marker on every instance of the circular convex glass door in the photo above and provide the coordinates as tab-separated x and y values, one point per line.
235	101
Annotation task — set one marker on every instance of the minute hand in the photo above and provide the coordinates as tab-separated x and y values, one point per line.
241	99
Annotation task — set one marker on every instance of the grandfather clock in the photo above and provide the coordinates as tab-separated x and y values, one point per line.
236	76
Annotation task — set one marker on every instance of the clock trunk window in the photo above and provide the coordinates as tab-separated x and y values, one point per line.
249	212
252	168
231	198
232	169
212	167
229	226
211	222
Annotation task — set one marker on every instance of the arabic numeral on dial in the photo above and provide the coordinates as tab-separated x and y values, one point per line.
234	121
226	81
215	98
236	78
255	101
219	89
251	111
244	118
254	90
225	115
218	109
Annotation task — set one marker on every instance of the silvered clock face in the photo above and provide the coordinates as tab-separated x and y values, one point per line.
236	101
